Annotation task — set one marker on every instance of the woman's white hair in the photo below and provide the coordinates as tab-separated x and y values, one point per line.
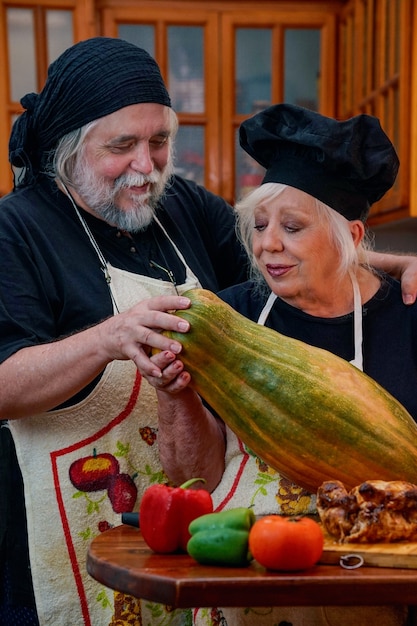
350	257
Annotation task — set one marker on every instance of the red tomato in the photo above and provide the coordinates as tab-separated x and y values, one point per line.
286	543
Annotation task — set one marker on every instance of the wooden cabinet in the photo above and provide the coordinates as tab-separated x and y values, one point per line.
375	77
223	61
185	41
296	62
32	35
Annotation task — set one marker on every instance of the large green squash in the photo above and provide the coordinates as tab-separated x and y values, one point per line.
306	412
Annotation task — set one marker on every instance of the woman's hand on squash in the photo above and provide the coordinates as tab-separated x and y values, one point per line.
173	377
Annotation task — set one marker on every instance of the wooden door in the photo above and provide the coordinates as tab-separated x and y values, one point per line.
222	63
270	57
32	35
375	77
186	47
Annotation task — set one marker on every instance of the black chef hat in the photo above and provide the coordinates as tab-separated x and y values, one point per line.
348	165
91	79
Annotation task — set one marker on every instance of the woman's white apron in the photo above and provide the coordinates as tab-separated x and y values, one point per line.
119	418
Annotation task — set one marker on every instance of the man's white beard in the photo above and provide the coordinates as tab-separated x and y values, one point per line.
99	195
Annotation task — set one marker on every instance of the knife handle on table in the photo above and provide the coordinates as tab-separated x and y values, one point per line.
131	519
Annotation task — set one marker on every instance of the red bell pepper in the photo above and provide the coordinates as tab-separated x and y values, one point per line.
166	512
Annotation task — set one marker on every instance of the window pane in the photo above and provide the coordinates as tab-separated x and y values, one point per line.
302	67
189	150
253	69
59	33
140	35
21	44
186	68
249	174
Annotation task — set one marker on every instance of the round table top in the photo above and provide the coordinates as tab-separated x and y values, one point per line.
120	559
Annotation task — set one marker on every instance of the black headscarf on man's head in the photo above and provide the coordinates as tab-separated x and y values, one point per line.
91	79
347	164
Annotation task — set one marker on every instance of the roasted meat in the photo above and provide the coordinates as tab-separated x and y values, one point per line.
337	508
374	511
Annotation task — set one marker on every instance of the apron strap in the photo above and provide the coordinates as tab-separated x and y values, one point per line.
357	323
267	308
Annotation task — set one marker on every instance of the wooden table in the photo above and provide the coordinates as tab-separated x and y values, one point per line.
120	559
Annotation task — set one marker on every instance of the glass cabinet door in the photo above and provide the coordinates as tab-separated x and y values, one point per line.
376	78
253	77
223	65
302	67
23	25
186	80
35	36
179	46
186	84
272	64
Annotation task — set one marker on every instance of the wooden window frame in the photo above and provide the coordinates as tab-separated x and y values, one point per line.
278	21
83	27
161	19
370	82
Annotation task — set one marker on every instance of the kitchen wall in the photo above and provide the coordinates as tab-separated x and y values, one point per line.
396	236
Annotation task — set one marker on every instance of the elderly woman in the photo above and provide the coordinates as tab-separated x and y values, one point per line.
304	231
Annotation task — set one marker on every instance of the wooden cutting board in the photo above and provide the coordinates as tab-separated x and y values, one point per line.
402	554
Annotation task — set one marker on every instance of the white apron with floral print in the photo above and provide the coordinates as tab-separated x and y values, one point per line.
81	467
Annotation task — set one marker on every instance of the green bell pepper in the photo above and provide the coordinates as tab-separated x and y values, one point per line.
222	538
